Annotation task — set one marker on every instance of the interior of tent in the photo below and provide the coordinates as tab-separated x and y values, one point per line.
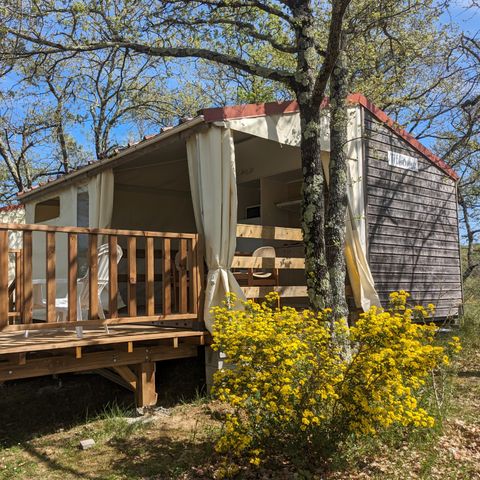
153	193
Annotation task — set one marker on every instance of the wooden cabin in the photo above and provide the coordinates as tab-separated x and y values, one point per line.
121	260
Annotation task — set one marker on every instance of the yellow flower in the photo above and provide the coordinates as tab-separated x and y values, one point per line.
285	368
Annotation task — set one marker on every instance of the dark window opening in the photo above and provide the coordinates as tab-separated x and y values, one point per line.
253	211
47	210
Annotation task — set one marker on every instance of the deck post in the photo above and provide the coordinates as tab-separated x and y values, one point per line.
145	392
214	361
4	303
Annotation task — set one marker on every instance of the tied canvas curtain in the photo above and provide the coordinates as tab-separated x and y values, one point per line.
211	165
359	273
100	192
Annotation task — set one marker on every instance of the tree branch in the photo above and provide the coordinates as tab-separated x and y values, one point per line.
249	29
270	9
339	7
278	75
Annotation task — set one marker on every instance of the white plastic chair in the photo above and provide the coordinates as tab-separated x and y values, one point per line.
264	252
61	304
177	271
103	278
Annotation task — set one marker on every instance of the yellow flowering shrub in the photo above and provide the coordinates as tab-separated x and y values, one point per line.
290	388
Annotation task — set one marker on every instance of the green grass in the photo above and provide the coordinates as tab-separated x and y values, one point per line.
114	424
180	446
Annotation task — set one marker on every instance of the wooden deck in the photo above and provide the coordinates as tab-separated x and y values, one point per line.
125	355
40	341
53	319
159	276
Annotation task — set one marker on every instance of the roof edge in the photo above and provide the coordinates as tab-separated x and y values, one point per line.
384	118
101	164
277	108
248	110
9	208
210	115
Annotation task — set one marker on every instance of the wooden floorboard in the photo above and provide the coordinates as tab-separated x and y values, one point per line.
14	342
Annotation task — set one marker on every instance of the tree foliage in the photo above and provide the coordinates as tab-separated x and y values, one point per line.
395	52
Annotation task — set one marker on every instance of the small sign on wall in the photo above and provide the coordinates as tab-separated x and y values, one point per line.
402	161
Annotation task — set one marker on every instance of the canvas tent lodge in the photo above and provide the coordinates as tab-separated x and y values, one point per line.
223	187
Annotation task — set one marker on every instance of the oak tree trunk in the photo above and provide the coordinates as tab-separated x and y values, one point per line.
337	198
313	208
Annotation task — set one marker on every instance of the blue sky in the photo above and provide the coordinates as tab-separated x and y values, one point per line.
466	17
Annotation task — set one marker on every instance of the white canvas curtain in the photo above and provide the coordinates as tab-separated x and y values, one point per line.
359	274
211	164
285	129
100	192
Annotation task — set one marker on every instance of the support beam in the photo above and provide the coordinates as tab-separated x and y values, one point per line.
18	358
51	365
127	375
145	393
115	378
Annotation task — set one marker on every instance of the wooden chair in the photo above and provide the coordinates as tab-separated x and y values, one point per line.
254	277
103	280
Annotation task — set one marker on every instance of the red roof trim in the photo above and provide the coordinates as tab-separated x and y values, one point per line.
383	117
8	208
249	110
277	108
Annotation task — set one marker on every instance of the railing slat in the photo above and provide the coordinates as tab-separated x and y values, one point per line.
183	281
112	276
4	301
72	276
27	303
132	276
50	271
193	274
18	281
268	262
285	291
149	279
269	233
167	277
173	317
93	276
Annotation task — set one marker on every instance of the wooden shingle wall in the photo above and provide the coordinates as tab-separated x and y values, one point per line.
413	241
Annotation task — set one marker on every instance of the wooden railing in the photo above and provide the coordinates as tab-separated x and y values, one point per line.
174	293
287	267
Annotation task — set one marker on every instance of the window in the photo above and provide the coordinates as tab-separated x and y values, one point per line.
252	211
47	210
